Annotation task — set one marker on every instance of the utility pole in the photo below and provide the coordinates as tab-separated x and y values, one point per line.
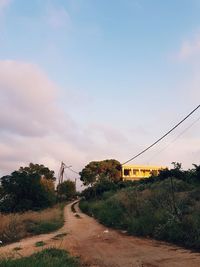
61	172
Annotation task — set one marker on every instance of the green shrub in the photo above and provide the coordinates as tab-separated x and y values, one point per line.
109	212
159	210
107	194
48	257
43	227
195	194
84	206
40	244
166	207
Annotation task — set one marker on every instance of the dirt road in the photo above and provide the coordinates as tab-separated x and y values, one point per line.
100	247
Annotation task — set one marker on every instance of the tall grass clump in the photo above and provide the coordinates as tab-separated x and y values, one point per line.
13	227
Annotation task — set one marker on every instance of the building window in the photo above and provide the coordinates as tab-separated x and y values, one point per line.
126	172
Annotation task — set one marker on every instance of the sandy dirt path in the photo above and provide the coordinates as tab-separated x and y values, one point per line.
101	247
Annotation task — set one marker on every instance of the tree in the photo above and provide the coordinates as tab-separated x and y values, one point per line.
98	170
194	174
26	189
176	172
197	171
40	170
66	190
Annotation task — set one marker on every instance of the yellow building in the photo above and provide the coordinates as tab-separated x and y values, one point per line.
136	172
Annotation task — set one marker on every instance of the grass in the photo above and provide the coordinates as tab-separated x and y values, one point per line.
152	211
14	227
43	227
40	244
49	257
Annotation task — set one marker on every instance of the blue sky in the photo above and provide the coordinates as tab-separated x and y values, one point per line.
110	77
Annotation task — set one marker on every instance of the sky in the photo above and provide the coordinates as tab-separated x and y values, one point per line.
84	80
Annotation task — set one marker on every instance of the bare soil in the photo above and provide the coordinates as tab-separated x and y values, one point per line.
98	246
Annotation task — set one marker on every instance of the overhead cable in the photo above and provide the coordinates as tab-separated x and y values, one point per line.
176	138
172	129
73	171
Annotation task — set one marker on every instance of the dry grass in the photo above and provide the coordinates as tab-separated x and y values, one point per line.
13	227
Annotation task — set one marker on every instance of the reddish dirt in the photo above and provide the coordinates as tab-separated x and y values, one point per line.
101	247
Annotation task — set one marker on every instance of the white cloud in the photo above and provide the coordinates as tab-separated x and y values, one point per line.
33	127
28	100
189	48
32	124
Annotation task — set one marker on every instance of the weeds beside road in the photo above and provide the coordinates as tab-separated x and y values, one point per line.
14	227
152	210
49	257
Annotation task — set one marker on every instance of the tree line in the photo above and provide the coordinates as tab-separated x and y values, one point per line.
33	188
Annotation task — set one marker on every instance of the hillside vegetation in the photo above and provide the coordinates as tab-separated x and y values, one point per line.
166	207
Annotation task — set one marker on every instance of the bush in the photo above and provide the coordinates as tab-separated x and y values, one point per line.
22	191
105	185
66	190
159	210
110	213
85	207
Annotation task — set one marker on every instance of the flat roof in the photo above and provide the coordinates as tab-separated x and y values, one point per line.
143	167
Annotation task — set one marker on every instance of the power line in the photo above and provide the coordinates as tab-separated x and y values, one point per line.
174	140
143	151
73	171
70	168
